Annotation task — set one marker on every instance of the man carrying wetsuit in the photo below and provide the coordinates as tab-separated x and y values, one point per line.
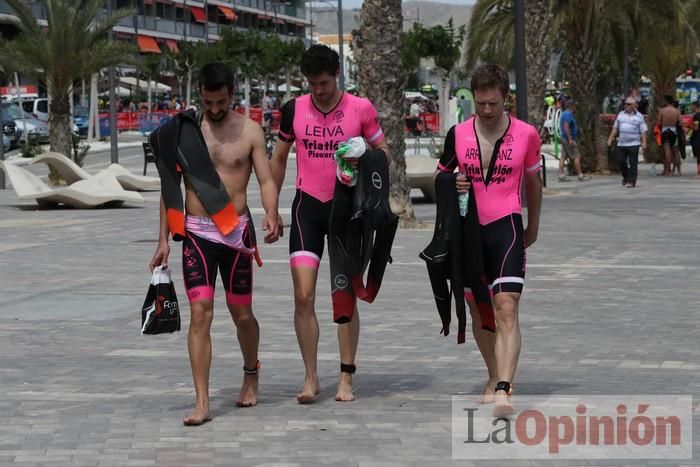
235	145
494	152
317	123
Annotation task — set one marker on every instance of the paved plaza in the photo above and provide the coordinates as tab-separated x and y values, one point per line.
610	307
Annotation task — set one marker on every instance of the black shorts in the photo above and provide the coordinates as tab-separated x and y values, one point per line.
668	137
310	221
200	260
503	245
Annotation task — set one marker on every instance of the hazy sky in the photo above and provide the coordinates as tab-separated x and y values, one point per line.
349	4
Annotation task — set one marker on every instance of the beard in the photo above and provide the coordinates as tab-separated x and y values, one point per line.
217	117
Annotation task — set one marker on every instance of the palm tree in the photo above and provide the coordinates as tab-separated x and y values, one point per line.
74	44
151	68
376	49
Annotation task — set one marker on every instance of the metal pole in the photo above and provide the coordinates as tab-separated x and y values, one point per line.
520	65
311	24
340	44
2	149
206	24
114	149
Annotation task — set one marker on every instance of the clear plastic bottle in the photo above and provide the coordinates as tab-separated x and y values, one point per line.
463	200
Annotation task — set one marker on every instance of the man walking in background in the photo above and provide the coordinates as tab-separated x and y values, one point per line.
569	131
632	131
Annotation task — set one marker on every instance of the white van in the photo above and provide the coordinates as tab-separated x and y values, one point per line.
37	108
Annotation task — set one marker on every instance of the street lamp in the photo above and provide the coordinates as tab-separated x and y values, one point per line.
339	11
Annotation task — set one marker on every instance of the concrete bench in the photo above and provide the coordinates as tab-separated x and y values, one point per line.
71	173
420	171
81	194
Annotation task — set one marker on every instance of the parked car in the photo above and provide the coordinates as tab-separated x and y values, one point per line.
80	120
37	108
9	130
26	124
6	143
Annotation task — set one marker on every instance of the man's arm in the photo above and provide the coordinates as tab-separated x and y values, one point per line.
384	147
268	187
613	133
533	193
567	132
278	163
163	249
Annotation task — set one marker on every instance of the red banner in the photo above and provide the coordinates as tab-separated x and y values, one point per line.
26	89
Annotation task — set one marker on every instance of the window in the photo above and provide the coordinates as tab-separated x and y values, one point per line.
42	106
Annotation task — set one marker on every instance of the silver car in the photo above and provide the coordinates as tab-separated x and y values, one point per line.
26	124
6	143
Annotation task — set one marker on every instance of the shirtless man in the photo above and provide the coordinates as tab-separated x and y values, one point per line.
669	118
495	153
236	145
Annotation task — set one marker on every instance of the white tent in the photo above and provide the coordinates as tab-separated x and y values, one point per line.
415	95
283	88
156	87
120	91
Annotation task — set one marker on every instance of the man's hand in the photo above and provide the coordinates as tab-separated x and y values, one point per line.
530	235
571	142
160	258
610	141
462	184
644	147
271	226
280	225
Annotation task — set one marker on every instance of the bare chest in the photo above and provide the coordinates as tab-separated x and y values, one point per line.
487	142
228	150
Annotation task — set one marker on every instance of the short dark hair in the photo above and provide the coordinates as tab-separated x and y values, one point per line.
489	76
669	99
318	59
214	76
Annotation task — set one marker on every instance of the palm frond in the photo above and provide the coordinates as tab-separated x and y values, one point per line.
490	35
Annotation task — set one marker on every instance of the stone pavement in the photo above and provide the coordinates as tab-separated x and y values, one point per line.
611	307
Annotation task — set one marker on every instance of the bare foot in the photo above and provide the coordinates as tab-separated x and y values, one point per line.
504	407
309	392
249	391
344	393
487	395
199	416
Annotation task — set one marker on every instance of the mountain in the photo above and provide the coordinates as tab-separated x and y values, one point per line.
427	13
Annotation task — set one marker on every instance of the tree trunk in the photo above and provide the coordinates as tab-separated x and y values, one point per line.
189	87
246	94
93	119
59	125
376	47
149	97
538	46
582	78
444	104
288	81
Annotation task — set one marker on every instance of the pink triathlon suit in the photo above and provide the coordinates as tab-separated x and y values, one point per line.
498	194
317	135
